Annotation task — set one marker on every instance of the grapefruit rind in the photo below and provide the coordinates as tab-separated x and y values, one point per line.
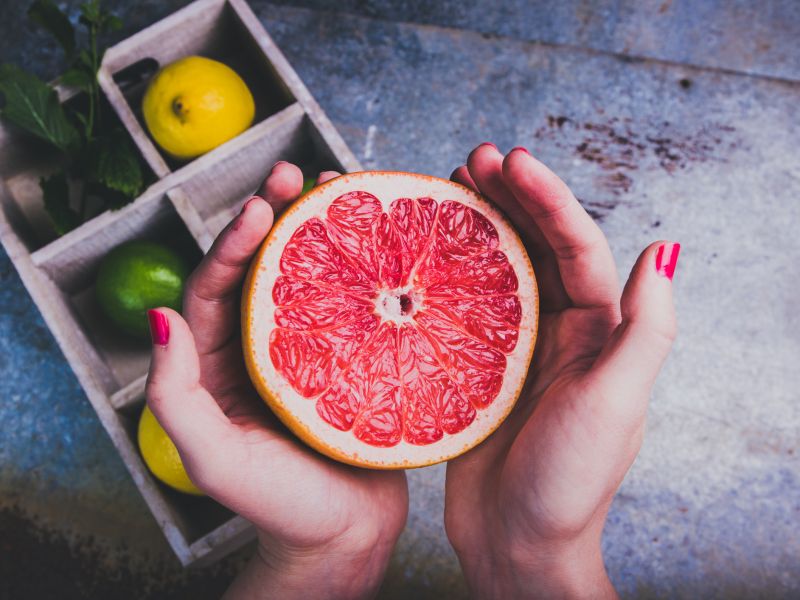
299	414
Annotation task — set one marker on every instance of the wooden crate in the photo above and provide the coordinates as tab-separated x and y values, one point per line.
185	208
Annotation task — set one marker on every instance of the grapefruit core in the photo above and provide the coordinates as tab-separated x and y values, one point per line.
389	319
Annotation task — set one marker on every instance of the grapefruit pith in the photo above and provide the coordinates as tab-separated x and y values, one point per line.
389	319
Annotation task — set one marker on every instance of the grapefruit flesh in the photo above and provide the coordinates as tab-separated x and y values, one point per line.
389	319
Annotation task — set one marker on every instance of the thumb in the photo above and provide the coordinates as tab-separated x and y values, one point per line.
188	413
627	368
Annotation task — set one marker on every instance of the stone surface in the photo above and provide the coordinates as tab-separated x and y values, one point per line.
654	150
759	38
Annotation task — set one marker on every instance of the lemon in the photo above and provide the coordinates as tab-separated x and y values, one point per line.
195	104
135	277
161	456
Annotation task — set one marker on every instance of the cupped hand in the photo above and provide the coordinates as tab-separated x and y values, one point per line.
525	510
325	529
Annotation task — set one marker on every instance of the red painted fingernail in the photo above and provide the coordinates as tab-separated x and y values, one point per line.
525	150
159	327
667	259
490	144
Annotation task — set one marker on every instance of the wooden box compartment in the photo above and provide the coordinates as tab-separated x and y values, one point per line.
185	207
211	193
212	29
193	516
71	263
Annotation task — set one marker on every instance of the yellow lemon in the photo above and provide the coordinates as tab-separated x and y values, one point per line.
195	104
161	456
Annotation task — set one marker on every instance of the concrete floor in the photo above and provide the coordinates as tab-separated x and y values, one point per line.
674	120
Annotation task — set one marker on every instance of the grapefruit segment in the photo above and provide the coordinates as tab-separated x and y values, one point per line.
379	421
310	360
352	221
433	403
477	275
476	368
305	360
389	319
463	231
491	319
312	255
412	220
315	307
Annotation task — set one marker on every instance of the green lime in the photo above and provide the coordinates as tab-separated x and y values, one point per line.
135	277
308	184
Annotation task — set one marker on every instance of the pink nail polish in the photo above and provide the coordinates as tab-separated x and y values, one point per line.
667	259
490	144
159	327
525	150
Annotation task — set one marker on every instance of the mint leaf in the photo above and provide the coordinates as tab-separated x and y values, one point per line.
47	15
56	201
33	105
77	78
91	15
113	162
113	23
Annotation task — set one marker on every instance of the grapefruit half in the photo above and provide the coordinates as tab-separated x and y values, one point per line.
389	319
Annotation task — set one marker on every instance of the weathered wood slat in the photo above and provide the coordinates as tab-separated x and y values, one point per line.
198	198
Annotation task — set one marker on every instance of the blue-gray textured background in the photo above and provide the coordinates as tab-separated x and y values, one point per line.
670	119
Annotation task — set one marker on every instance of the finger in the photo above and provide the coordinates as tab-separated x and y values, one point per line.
584	258
283	184
627	367
485	164
327	176
211	297
186	411
461	175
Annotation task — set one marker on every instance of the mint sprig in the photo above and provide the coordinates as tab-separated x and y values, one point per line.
101	168
33	105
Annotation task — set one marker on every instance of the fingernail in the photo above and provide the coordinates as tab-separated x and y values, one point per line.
280	162
525	150
248	202
239	221
667	258
490	144
159	327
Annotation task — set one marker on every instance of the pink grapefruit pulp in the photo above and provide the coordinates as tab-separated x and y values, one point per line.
389	319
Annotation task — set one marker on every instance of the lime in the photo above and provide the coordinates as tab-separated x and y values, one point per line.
161	456
136	277
308	185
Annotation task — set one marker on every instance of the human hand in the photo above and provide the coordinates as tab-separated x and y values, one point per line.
325	529
525	510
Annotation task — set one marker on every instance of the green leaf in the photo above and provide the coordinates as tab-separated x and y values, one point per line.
85	59
112	161
77	78
33	105
90	11
113	23
56	201
47	15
